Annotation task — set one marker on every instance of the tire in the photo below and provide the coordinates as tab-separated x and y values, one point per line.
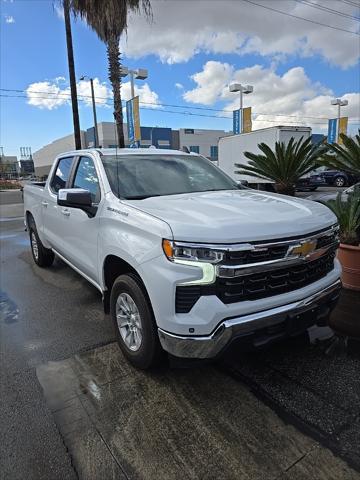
43	257
312	189
138	337
340	181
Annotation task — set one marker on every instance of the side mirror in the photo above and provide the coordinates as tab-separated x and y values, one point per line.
74	197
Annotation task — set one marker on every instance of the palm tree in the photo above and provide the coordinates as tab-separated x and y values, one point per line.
344	157
108	18
70	53
284	165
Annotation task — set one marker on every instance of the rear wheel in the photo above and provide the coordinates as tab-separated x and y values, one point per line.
340	182
134	322
43	257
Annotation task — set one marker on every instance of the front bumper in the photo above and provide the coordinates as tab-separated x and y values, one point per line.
291	319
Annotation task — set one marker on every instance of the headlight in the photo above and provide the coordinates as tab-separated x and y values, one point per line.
191	252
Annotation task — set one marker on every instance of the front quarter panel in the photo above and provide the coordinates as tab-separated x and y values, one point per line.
130	234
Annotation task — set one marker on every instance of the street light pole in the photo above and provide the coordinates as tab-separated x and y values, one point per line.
94	113
243	89
340	103
131	73
96	133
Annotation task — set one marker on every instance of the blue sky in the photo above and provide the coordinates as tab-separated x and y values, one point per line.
296	67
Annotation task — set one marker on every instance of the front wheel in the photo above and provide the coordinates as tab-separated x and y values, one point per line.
43	257
134	322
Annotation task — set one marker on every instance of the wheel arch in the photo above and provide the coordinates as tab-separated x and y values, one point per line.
28	218
112	267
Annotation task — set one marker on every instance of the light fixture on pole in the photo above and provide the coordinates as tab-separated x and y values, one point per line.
340	103
96	133
140	74
243	89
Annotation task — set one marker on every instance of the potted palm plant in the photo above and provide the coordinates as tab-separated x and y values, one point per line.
346	157
348	215
284	165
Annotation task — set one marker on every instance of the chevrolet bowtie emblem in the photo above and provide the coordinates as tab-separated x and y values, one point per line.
304	249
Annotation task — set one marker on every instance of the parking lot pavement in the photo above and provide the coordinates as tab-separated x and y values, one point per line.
119	423
319	192
11	204
71	405
45	315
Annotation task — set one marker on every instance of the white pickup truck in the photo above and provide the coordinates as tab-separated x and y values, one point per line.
186	260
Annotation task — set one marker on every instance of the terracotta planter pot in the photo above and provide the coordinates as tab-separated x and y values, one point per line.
349	257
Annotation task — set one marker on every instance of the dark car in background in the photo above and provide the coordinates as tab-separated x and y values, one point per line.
337	178
310	183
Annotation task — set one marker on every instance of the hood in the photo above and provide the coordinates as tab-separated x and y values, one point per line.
234	216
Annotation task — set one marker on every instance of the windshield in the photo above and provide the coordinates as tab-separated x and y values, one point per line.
142	176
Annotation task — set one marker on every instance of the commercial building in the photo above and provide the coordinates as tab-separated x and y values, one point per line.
204	142
9	166
43	158
196	140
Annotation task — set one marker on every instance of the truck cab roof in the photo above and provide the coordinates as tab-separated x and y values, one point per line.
128	151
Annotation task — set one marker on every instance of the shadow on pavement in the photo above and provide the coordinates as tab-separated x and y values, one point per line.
314	386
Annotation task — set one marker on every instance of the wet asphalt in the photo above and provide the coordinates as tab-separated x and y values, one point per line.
291	411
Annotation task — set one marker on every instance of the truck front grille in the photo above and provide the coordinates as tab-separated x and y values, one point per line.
274	282
252	256
255	286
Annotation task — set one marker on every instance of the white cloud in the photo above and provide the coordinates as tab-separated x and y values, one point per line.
51	94
178	32
146	95
210	83
292	95
9	19
102	92
46	95
59	11
179	86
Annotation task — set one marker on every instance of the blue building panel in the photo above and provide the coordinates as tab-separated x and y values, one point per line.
155	134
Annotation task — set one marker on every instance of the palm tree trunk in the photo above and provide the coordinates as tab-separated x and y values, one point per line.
113	54
72	77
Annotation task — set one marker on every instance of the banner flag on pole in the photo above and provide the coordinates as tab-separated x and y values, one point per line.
246	120
343	123
332	128
133	120
130	121
136	113
236	122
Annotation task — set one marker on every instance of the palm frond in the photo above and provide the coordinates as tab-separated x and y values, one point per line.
344	157
348	215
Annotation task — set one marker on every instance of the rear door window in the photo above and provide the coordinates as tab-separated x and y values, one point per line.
61	174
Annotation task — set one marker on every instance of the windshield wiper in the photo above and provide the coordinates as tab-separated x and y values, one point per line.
141	197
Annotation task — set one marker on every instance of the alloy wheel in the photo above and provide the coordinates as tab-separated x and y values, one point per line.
129	321
34	245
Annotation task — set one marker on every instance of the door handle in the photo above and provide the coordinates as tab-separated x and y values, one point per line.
65	212
44	204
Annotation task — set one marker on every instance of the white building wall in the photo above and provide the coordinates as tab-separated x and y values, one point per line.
204	139
44	158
